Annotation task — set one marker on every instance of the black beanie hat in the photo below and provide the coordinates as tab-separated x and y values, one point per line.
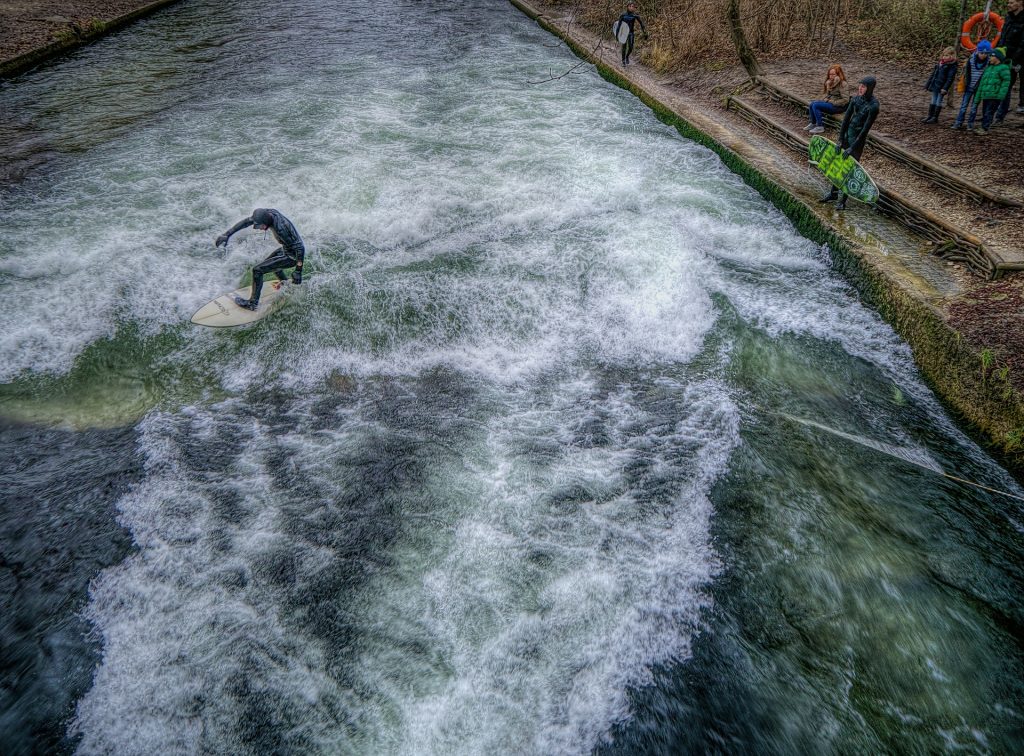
262	217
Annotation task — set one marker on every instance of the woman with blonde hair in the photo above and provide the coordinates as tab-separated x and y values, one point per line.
835	100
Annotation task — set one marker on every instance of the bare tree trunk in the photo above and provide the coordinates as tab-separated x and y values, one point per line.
960	25
739	39
835	25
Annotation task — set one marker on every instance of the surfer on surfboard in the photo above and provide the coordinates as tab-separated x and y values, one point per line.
630	18
853	133
289	255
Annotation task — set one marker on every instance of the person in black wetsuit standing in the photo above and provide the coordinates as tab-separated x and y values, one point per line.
289	255
630	18
853	133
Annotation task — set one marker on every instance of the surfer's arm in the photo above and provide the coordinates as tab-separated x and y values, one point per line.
222	240
642	27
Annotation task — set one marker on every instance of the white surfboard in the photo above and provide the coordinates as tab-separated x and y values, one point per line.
621	31
222	312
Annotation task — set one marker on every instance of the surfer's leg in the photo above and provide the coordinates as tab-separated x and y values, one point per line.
831	196
625	55
276	262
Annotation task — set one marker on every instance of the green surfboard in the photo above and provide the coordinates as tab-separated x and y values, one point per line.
845	174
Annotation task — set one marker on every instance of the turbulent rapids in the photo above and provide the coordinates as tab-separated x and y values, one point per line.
514	475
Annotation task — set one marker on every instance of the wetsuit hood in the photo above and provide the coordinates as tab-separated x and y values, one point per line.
262	217
869	84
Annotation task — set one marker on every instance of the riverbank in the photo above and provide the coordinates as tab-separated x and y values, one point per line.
38	30
962	329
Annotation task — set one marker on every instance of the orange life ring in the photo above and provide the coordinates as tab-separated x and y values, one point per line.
969	24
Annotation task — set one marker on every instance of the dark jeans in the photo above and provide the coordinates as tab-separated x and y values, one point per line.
988	112
279	260
968	99
1004	106
817	109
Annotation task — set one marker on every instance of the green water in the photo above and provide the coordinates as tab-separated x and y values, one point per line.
571	444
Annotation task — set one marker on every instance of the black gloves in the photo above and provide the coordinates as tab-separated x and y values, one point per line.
297	276
222	241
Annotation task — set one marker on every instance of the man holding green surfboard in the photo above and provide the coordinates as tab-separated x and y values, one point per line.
853	133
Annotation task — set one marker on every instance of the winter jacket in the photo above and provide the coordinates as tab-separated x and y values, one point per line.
973	69
860	114
837	96
995	83
1012	36
943	76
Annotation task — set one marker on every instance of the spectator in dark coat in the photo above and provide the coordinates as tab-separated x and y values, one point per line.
940	82
1012	38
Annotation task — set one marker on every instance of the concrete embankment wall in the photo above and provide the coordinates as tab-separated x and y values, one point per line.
959	372
76	36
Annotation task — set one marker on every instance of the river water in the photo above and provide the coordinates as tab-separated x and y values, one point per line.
569	444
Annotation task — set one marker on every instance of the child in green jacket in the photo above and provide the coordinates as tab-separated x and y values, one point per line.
992	88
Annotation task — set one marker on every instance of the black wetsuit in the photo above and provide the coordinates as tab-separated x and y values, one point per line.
290	254
629	18
860	115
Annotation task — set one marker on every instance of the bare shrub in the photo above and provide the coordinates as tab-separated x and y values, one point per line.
685	32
